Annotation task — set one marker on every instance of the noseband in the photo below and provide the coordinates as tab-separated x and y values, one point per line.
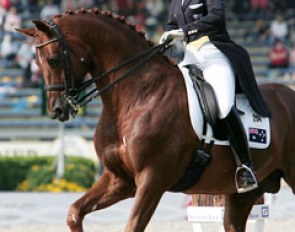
71	88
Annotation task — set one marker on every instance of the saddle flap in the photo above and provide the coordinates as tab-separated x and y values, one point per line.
205	94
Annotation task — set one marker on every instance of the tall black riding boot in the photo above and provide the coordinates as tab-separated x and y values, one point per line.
245	177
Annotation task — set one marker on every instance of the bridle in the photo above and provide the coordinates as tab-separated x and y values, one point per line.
71	88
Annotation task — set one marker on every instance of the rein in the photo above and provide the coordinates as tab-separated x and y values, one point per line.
72	91
145	56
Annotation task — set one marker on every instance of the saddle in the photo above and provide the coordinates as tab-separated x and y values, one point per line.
203	110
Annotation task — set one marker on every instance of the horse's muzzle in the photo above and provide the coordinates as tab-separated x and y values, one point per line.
60	110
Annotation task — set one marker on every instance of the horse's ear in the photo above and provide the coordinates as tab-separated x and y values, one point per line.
27	31
42	26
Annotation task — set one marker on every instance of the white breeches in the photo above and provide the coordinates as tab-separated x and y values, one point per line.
217	71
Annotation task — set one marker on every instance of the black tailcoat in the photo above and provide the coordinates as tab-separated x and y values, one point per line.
198	18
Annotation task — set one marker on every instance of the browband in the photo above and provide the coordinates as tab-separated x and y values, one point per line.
46	42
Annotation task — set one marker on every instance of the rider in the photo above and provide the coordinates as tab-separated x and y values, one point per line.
225	65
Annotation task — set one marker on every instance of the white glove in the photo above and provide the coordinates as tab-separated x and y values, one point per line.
173	34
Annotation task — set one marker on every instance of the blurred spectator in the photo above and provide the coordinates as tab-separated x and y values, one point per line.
157	35
279	6
31	6
138	20
292	55
125	7
24	59
291	24
290	4
85	3
279	29
35	78
259	5
56	2
5	4
8	51
155	13
278	56
240	8
2	17
259	33
69	5
151	26
292	60
17	4
48	10
113	4
102	4
154	8
12	20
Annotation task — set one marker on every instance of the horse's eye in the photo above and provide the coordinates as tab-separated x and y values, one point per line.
54	62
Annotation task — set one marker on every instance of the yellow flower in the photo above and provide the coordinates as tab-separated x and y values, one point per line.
23	186
69	167
60	186
36	168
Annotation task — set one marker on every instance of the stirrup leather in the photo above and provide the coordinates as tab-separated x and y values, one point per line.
242	189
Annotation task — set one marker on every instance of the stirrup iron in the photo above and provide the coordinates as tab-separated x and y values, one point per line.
250	187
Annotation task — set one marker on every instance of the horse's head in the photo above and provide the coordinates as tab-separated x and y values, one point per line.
78	42
62	67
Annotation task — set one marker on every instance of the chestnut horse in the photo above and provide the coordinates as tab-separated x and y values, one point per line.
144	137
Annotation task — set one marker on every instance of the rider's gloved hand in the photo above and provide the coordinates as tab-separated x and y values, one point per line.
172	35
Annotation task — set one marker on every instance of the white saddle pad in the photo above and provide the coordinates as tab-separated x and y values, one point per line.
257	128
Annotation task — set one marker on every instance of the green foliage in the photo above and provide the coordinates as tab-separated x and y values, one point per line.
39	173
13	170
80	171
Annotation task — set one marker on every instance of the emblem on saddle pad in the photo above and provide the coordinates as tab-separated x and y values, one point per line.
257	118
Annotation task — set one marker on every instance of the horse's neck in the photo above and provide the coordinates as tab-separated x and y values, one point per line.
120	44
114	51
139	86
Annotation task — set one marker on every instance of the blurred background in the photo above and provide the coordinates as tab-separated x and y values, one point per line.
41	155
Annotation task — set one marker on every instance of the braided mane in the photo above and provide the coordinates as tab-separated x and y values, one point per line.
96	11
119	18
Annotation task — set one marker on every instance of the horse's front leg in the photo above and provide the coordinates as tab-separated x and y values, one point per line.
147	197
107	191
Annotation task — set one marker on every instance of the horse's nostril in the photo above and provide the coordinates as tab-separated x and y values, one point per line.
57	108
58	111
54	115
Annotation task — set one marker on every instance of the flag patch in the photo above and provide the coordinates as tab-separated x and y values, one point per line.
257	135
